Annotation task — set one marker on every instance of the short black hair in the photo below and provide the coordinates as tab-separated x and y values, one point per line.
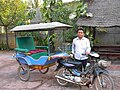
80	28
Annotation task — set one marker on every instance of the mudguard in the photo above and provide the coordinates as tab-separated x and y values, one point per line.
59	67
26	59
30	61
99	71
23	60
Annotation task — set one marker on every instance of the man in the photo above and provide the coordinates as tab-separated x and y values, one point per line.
81	47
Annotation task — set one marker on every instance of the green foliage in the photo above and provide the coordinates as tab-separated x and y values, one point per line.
81	9
12	13
43	41
3	46
53	10
40	41
56	10
36	4
30	14
89	34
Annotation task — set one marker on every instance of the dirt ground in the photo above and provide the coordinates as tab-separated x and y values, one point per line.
9	79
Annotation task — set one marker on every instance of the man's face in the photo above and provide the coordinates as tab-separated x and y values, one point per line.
80	34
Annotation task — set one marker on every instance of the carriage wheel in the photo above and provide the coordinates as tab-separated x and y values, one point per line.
24	72
44	71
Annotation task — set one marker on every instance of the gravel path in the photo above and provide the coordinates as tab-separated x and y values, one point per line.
10	81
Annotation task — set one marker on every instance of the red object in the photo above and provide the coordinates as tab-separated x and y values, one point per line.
36	51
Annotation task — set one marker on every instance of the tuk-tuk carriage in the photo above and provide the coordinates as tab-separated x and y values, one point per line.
31	57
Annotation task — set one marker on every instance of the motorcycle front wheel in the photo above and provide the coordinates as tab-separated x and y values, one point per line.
61	73
103	82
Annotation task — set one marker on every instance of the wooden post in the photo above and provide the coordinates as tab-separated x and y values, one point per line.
94	34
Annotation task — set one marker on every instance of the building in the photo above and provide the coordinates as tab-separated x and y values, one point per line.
106	14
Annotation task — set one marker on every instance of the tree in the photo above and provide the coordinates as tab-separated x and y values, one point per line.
56	10
78	9
53	10
12	12
35	3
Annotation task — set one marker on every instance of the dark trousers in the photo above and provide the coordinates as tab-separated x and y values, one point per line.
84	63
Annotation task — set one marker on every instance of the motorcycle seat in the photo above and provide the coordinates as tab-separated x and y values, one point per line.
74	62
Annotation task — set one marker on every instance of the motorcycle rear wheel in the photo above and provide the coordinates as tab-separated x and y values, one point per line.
60	81
103	82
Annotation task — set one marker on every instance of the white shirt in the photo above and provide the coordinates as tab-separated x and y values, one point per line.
80	47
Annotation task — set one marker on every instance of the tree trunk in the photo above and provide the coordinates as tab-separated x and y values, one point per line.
6	31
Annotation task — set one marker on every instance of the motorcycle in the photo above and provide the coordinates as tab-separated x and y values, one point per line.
94	75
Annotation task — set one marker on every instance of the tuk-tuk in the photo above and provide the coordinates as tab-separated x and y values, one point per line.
31	57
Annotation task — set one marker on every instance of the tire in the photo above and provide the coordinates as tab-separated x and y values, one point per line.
60	81
106	82
24	72
44	71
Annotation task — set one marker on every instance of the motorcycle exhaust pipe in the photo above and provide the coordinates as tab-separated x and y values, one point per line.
70	81
64	79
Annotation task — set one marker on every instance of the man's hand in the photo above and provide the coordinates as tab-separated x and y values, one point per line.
87	53
71	55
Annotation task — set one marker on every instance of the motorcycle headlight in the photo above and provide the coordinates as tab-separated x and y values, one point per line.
103	63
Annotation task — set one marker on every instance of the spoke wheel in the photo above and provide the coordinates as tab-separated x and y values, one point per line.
60	73
24	72
44	71
103	82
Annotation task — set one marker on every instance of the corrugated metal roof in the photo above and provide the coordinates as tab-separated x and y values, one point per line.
106	13
41	27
